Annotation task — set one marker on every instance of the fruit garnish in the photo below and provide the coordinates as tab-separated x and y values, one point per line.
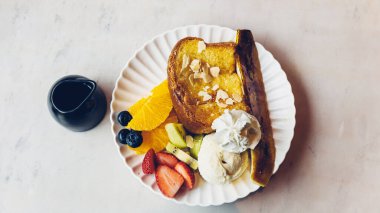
187	174
189	141
124	117
122	136
161	89
135	108
168	180
182	156
148	113
134	138
148	164
166	159
176	134
156	138
197	140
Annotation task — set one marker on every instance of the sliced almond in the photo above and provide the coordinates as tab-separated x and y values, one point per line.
185	61
202	93
198	75
237	97
221	94
201	46
215	87
206	77
214	71
205	96
229	101
195	65
206	88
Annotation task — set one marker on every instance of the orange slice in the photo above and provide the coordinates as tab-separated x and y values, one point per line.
148	113
137	106
161	89
156	138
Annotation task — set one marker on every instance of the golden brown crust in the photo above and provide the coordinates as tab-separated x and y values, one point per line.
186	112
255	101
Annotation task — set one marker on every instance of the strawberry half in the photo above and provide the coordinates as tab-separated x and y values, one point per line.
148	162
166	159
188	174
168	180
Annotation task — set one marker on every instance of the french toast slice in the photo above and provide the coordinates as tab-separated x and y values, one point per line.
240	77
199	94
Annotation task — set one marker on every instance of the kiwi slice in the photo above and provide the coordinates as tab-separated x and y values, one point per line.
182	156
176	134
197	140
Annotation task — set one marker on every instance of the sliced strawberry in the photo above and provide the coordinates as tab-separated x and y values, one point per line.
148	162
166	159
188	174
168	180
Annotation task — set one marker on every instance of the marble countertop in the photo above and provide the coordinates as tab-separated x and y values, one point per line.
329	49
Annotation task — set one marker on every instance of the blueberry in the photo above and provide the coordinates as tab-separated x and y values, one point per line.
123	135
124	117
134	139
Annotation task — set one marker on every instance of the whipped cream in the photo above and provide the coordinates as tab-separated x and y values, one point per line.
236	131
218	166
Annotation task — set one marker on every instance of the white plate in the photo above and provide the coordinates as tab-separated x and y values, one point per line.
147	68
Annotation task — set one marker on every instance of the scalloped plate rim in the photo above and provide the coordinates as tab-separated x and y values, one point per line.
112	112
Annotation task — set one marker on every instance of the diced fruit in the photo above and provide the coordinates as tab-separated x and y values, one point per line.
134	138
166	159
175	133
148	162
189	141
197	140
168	180
149	112
188	174
156	138
182	156
124	117
181	130
122	136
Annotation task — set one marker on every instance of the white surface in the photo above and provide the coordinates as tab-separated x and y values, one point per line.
147	68
328	49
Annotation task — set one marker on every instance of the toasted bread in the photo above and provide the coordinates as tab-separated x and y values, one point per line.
193	110
240	76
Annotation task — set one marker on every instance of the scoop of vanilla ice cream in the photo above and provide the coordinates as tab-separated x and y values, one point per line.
236	131
218	166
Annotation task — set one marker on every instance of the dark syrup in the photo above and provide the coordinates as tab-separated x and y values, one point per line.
69	95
